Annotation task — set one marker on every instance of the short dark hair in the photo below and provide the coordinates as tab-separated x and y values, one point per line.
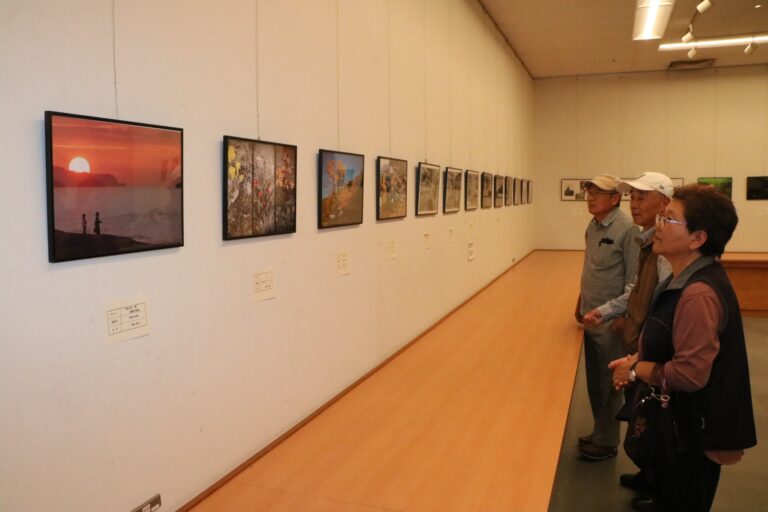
709	210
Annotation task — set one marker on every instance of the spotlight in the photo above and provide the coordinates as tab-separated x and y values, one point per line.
688	37
692	53
751	47
703	6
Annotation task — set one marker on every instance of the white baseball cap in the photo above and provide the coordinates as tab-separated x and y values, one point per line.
605	181
649	181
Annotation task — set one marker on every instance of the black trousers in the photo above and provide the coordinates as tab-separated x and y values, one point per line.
687	485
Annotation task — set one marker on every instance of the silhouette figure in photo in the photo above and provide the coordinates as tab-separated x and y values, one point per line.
85	224
97	224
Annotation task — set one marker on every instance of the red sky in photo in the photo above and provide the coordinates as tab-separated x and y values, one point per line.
134	155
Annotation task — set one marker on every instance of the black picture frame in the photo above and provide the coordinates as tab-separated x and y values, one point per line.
486	190
509	190
259	187
757	188
340	188
452	190
112	186
427	189
471	190
391	188
498	194
529	191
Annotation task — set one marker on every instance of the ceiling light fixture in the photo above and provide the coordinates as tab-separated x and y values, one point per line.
751	47
704	6
715	43
688	37
651	18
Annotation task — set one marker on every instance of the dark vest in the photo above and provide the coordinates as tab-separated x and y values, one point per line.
721	412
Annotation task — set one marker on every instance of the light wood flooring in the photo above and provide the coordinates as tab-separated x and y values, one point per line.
468	418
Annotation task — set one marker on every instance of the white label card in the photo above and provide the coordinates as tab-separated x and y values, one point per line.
127	320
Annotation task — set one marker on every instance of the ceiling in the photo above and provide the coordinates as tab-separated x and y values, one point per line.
587	37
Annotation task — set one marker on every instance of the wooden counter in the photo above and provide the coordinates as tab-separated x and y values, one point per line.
470	417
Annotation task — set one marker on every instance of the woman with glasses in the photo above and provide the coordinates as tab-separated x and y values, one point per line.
692	348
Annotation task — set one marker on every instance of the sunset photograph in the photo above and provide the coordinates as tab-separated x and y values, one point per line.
113	186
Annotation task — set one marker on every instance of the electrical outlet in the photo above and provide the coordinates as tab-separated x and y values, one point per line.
426	238
151	505
342	263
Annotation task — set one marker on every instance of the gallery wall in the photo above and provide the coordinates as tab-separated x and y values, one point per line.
86	424
687	124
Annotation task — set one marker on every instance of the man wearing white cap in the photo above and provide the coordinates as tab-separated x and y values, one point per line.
610	264
650	193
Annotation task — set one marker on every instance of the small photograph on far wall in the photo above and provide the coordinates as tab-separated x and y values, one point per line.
487	190
259	188
524	192
509	187
517	189
724	185
471	190
391	188
573	189
498	197
529	194
452	190
427	188
340	189
677	182
757	187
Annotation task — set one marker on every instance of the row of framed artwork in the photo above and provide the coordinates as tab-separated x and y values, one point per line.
572	189
115	187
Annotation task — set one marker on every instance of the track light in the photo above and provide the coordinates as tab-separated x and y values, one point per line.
751	47
651	18
688	37
692	53
703	6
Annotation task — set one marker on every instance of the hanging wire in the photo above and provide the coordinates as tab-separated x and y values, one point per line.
424	71
258	72
338	75
389	70
114	58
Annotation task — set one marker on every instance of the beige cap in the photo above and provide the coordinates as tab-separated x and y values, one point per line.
605	181
649	181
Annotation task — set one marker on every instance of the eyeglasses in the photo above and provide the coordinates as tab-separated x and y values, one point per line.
663	220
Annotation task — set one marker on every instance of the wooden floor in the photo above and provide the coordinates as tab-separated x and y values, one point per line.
469	418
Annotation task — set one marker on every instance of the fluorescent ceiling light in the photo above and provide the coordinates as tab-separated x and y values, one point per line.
651	18
714	43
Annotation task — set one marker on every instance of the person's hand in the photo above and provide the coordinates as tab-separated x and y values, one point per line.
620	369
592	318
618	325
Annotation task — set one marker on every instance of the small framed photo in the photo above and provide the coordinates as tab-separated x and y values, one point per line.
471	190
452	190
573	189
340	189
678	182
757	188
509	187
517	188
498	186
113	187
486	200
529	194
259	188
724	185
391	188
427	188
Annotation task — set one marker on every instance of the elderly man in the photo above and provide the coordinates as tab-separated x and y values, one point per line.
649	195
610	264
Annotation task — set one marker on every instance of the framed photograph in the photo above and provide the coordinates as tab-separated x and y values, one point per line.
509	187
516	191
724	185
677	182
391	188
339	189
757	187
529	194
498	187
471	190
452	190
573	189
113	187
427	188
259	188
486	200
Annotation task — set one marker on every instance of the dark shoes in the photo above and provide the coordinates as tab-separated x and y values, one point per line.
585	440
643	504
635	481
595	453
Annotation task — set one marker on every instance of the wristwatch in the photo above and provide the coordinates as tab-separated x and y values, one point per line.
632	372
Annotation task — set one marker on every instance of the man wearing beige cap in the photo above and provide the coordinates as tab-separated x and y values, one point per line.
610	264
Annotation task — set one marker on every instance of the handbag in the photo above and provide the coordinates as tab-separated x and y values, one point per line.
651	433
